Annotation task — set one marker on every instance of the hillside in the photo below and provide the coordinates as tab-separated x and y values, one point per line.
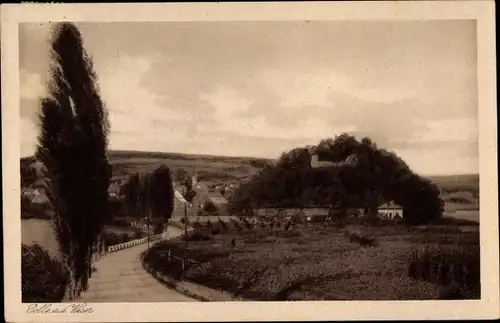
210	169
458	191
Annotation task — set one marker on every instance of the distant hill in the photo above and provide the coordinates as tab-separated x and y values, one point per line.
459	191
179	156
209	168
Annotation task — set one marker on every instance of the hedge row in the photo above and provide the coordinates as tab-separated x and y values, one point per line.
43	278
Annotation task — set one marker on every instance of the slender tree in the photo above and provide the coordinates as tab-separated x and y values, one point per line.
72	145
131	192
162	194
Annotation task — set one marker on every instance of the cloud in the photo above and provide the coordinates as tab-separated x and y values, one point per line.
314	87
442	160
456	129
259	88
29	134
31	85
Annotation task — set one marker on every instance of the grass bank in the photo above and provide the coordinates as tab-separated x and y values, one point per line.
317	262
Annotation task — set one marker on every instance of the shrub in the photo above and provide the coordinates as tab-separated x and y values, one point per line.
289	234
197	236
112	238
124	237
34	210
119	222
248	225
223	226
361	239
156	258
236	225
210	208
459	200
455	267
138	234
44	279
287	225
196	225
158	228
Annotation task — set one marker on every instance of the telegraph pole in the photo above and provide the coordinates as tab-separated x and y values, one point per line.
149	228
188	191
184	260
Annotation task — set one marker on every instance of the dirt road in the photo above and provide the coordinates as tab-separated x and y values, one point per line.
120	277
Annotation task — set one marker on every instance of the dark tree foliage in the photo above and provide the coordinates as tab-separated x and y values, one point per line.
364	176
298	158
72	146
182	175
210	207
161	193
419	197
131	194
28	175
150	194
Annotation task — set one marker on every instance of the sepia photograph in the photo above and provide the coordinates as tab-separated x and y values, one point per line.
249	161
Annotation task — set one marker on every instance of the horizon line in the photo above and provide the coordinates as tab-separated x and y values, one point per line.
253	157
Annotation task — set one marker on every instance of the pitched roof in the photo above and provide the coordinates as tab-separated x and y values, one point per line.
390	205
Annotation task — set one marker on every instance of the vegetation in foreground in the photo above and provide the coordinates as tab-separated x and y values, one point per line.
44	278
115	235
318	262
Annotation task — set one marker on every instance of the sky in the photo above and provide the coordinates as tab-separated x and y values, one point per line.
262	88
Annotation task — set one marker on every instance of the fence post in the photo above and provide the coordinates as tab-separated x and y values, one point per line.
465	276
168	255
452	275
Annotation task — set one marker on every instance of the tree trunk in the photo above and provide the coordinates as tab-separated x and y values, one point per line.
371	211
71	287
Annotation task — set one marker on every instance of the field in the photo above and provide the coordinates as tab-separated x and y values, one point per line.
317	262
210	169
459	192
41	232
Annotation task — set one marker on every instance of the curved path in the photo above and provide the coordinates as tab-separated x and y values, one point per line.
120	277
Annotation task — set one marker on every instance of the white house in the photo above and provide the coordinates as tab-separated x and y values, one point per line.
390	210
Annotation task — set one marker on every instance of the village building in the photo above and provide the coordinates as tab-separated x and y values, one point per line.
37	192
316	162
390	210
115	188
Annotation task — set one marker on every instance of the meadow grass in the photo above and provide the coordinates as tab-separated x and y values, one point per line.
314	262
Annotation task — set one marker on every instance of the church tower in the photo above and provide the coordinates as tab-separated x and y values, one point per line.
193	176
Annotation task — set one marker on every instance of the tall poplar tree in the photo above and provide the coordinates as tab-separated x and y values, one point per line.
72	145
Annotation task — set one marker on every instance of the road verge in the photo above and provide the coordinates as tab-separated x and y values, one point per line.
190	289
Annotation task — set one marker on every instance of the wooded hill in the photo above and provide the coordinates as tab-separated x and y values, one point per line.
362	176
